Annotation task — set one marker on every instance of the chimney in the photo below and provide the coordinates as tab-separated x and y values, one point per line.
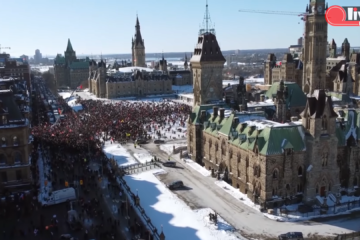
222	113
294	119
215	110
262	98
203	116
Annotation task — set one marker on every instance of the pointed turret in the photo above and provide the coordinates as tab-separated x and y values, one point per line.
333	43
186	62
345	49
69	47
138	39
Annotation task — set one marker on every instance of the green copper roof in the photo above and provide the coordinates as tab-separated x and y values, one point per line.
350	127
69	47
296	95
79	65
269	137
59	59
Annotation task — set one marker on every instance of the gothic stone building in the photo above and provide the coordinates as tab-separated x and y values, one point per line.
70	71
274	162
127	81
138	47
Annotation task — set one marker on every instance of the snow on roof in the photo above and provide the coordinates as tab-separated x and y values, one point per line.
231	82
261	104
339	58
227	112
261	124
132	69
178	220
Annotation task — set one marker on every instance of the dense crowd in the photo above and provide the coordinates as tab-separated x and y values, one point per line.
123	120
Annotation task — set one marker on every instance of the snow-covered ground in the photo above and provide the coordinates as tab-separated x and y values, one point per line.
168	148
183	89
71	101
197	167
119	153
143	157
165	209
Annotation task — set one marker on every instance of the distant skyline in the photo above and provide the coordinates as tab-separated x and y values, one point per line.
96	27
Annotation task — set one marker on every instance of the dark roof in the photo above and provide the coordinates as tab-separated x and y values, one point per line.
138	39
69	47
8	101
319	104
346	41
207	49
288	57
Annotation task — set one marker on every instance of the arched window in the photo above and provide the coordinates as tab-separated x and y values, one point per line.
17	157
300	171
2	159
230	154
223	148
216	146
325	159
4	120
275	174
15	141
210	143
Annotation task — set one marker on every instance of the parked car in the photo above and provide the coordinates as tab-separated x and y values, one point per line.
176	185
291	235
169	164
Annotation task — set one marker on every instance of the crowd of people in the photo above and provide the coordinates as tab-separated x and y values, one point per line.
123	120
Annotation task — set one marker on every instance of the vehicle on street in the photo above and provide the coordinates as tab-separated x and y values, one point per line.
176	185
291	235
60	196
169	164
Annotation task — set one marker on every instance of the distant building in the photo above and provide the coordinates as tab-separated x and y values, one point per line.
15	67
127	81
69	70
300	41
25	58
138	47
37	56
179	77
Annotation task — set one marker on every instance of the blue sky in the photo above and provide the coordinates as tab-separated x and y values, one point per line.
107	26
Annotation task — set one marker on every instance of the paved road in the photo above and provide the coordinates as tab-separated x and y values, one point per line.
247	221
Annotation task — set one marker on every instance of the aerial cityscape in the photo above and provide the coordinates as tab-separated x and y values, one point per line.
200	144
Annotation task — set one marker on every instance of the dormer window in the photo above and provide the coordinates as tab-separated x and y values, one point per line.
3	141
15	141
4	120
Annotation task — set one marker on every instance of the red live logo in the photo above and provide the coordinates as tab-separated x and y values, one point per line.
343	16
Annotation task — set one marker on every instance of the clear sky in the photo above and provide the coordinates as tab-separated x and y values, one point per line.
107	26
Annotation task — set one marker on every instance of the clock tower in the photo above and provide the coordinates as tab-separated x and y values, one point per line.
207	64
315	47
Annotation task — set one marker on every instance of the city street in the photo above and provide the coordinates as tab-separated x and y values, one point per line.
203	192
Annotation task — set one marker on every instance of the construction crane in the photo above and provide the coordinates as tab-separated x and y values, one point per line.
302	15
3	48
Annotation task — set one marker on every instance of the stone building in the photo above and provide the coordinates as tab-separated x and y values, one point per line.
127	81
289	69
138	47
282	163
15	148
183	76
70	71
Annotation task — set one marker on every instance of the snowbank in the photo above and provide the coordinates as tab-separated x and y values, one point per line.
237	194
119	153
197	167
168	148
166	209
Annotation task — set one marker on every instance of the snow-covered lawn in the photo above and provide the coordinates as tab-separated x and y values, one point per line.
119	153
165	209
168	148
237	194
197	167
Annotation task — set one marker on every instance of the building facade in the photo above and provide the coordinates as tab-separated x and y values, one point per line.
283	162
15	144
127	81
69	70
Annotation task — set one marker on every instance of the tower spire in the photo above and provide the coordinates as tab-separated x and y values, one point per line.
207	25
